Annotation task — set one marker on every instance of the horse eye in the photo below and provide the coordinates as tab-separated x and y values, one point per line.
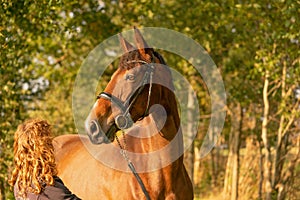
130	77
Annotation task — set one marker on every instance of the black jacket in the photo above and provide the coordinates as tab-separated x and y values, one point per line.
56	192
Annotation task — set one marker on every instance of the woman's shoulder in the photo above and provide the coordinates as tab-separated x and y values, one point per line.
58	191
58	180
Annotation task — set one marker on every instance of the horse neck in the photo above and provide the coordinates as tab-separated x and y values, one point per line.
159	129
172	125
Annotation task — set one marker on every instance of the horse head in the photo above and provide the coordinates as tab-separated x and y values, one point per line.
131	92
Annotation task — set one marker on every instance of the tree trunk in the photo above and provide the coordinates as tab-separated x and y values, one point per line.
197	175
2	190
213	169
237	126
261	169
264	136
189	156
278	158
228	172
232	169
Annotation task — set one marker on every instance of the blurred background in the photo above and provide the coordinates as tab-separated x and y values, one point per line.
255	45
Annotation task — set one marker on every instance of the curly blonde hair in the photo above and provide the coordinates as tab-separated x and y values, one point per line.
33	157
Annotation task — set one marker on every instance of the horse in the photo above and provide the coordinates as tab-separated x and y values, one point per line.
134	143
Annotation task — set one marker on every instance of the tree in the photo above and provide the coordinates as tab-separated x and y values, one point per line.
42	46
277	62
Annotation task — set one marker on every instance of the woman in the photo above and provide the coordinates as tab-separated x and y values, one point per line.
35	173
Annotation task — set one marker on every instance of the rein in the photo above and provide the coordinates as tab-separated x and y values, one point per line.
131	166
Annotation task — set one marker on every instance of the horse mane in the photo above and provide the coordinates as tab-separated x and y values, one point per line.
135	55
129	56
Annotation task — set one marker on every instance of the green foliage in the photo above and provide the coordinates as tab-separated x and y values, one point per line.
43	44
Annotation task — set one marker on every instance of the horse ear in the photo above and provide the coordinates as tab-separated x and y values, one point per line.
140	42
126	46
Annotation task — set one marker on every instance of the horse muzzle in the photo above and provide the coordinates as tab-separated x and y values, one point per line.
97	135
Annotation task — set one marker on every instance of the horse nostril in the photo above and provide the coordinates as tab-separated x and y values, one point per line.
94	128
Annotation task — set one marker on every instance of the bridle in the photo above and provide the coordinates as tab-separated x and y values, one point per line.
124	120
